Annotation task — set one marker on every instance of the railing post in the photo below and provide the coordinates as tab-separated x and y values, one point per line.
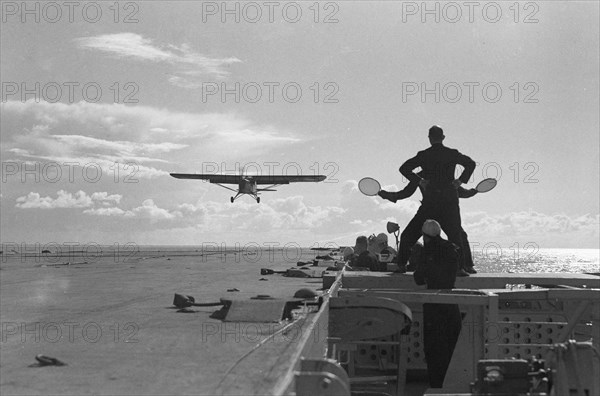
492	328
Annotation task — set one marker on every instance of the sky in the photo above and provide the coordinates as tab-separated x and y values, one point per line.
101	101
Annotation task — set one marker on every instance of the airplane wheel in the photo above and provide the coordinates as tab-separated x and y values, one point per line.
258	200
231	199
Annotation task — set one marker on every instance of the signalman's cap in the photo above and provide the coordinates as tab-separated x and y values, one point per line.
431	228
436	132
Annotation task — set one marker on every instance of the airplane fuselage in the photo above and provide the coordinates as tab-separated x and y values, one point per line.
247	187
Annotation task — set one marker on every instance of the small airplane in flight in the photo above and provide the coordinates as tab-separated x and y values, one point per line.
248	184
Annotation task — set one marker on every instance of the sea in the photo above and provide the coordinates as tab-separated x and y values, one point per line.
488	260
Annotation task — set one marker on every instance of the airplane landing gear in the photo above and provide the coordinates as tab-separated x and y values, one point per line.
231	199
257	199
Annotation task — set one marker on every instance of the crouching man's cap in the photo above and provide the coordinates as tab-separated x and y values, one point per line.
431	228
381	238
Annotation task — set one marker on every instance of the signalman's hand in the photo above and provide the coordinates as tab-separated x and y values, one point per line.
456	183
384	194
423	184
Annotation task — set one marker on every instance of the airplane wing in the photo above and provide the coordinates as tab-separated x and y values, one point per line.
259	179
219	179
283	179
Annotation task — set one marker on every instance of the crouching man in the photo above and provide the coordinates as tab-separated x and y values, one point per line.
363	258
437	268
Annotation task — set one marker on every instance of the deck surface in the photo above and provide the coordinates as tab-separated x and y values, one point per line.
113	324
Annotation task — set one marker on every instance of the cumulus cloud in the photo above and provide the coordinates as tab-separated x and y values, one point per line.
290	213
106	198
64	200
98	204
112	211
370	212
366	215
189	66
530	224
293	219
149	210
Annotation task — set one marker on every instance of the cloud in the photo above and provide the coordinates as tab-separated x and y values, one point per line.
366	215
530	224
512	230
125	149
65	200
370	212
253	137
190	66
292	219
112	211
88	151
97	204
106	198
107	133
290	213
149	210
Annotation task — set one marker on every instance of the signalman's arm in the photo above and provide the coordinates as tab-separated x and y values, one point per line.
469	166
464	193
407	168
402	194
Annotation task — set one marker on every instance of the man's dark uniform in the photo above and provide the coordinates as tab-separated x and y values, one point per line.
441	322
366	260
410	189
440	198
